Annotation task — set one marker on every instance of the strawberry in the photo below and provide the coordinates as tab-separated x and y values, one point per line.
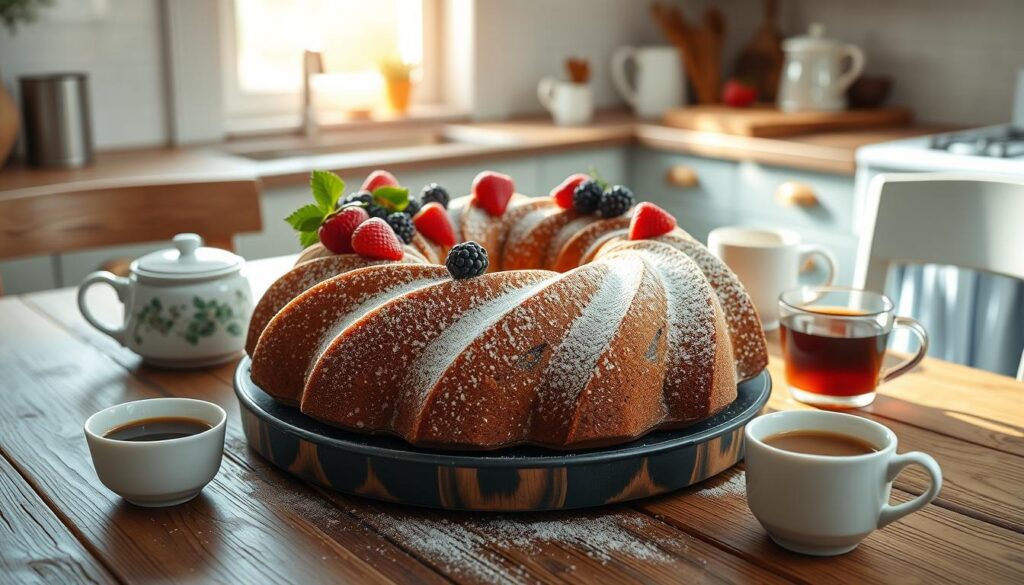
374	238
650	221
432	221
379	179
738	94
492	192
562	194
336	231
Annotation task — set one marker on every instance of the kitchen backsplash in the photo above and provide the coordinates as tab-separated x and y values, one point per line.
117	42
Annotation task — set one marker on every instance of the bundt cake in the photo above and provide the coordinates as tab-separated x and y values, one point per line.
578	335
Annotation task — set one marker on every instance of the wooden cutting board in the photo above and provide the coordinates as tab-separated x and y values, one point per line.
769	122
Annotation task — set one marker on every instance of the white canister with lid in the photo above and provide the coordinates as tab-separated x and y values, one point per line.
814	76
184	307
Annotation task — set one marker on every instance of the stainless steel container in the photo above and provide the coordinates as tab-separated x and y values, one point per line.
55	110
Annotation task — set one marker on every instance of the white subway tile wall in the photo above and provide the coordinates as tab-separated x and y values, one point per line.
117	43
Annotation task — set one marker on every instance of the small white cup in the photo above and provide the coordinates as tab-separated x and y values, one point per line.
570	104
826	505
157	473
767	262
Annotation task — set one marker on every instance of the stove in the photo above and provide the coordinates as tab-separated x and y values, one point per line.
995	141
991	149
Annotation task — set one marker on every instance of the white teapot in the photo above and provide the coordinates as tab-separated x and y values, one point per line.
813	79
184	307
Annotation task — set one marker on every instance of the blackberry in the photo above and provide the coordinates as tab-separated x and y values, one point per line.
587	196
413	208
467	260
615	201
435	192
374	210
362	198
402	225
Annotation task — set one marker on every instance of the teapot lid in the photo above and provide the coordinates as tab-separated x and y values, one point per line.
188	260
814	40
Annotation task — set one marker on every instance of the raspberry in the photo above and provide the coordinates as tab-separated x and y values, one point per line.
374	238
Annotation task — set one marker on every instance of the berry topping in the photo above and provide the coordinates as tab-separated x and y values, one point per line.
615	201
467	260
413	207
562	194
402	226
379	179
432	221
650	221
377	211
492	192
435	192
587	196
375	239
336	231
358	198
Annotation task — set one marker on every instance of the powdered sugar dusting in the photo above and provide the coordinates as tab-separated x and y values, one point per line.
573	361
442	351
473	546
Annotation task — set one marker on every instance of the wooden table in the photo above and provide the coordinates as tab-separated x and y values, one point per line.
255	524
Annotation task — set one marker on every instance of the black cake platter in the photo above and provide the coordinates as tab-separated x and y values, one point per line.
513	479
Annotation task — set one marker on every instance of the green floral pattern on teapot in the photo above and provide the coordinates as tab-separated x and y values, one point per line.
192	323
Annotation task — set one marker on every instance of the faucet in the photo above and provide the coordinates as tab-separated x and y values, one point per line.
312	63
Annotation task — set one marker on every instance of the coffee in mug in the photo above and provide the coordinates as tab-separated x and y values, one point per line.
833	344
819	482
767	262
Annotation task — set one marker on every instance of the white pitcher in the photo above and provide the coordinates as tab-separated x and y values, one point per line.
813	77
570	104
658	80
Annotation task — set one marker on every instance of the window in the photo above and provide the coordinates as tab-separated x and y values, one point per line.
265	41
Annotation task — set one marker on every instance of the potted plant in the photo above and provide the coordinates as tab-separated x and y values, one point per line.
397	83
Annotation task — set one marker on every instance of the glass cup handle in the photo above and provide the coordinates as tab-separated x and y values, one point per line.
809	250
922	349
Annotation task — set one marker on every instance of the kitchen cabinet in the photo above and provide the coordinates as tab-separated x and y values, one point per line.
704	193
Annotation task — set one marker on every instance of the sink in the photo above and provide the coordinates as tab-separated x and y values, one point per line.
361	141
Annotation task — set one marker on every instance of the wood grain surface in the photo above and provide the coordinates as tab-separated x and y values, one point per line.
256	524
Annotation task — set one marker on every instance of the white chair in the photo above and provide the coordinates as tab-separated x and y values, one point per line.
965	220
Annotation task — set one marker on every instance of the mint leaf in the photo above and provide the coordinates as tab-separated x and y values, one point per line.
393	198
306	218
592	171
327	188
307	239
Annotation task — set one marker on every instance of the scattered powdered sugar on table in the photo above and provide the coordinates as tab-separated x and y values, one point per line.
474	546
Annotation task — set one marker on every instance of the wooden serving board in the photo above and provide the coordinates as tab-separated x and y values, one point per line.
513	479
769	122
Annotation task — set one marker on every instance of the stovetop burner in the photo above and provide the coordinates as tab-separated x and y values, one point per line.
998	141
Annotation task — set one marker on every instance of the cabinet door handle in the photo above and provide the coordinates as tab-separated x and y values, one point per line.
795	194
682	176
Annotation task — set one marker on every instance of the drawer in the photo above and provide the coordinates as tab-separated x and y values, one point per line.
795	198
681	183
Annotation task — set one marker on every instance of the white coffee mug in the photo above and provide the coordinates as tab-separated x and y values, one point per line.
658	79
570	104
826	505
767	262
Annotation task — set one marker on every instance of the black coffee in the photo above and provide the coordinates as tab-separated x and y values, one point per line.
158	429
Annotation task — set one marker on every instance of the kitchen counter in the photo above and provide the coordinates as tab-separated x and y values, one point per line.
458	143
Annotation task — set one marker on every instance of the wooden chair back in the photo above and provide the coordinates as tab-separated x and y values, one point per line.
966	220
50	221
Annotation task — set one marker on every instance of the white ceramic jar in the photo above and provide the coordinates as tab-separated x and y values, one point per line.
184	307
815	77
